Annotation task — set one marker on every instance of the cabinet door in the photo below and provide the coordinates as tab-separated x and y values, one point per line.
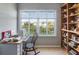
8	49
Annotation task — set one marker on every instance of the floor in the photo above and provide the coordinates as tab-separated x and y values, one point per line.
50	51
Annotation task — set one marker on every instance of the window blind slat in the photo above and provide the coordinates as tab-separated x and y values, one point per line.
38	14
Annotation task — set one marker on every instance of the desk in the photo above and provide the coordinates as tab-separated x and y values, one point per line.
12	48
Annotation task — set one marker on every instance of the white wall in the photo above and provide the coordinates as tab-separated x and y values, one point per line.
8	17
53	40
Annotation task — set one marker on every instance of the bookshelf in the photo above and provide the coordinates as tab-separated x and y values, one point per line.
64	26
70	28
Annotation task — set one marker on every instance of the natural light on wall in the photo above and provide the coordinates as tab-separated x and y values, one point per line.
44	21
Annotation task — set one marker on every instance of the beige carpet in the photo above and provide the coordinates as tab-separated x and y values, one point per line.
50	51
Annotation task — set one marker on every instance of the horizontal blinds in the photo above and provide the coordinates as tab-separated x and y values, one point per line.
38	14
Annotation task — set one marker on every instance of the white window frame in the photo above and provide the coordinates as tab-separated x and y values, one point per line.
55	28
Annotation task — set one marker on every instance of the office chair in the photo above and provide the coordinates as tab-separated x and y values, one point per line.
30	44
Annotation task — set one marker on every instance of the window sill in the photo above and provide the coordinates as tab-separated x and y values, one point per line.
45	35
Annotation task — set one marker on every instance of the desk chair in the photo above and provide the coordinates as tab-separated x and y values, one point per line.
30	45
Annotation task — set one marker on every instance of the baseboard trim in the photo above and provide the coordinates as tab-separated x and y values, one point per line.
48	46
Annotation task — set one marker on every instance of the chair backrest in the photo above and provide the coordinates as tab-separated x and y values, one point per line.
34	38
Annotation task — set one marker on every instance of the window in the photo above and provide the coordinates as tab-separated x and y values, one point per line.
43	21
33	24
42	25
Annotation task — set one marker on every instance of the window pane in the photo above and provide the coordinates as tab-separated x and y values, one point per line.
42	25
25	24
42	20
51	26
33	23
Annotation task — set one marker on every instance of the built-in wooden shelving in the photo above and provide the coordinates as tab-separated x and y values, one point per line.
70	28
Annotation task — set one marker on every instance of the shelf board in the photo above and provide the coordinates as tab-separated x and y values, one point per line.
70	53
74	15
74	41
77	50
74	32
76	6
63	29
73	23
70	31
72	8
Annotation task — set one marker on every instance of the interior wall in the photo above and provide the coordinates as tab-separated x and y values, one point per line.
8	17
47	40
